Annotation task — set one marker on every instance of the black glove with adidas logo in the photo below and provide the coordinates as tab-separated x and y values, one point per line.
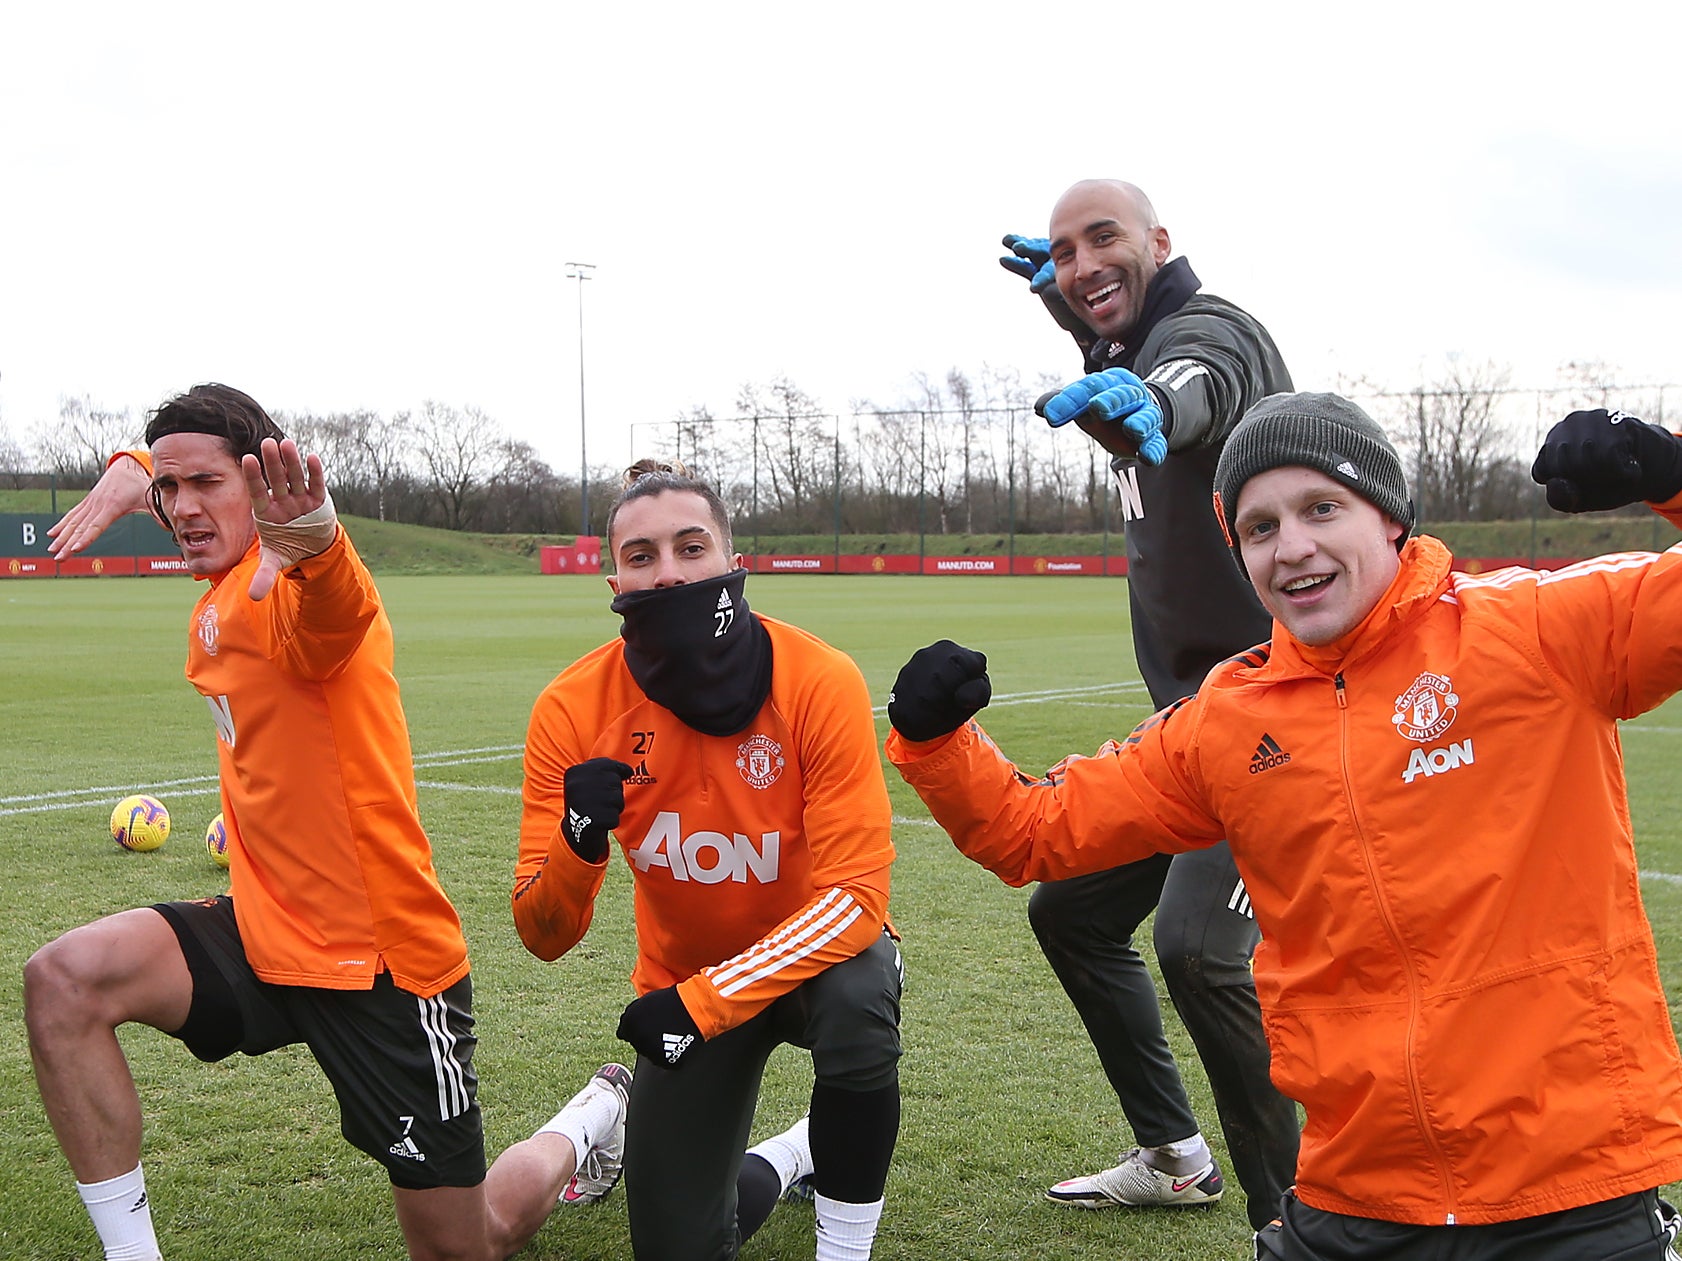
593	794
659	1026
1595	460
941	688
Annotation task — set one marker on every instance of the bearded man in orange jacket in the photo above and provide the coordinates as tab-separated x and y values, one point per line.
1421	781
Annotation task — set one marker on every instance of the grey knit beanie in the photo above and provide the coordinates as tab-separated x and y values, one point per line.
1318	431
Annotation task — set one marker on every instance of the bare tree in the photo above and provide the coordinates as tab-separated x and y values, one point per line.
383	444
1462	449
84	437
524	492
458	448
796	445
13	462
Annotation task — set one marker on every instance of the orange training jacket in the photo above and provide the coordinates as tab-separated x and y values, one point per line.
759	859
332	875
1456	973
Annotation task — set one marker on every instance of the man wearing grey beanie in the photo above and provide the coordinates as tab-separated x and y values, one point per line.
1421	782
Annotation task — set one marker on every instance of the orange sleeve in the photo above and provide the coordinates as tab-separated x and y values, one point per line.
554	890
1130	800
319	612
140	455
848	824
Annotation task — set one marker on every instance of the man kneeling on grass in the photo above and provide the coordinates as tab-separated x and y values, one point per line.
337	933
1422	785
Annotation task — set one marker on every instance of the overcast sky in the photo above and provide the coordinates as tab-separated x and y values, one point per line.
349	205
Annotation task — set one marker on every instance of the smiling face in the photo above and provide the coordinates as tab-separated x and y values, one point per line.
1106	247
666	540
1320	556
203	492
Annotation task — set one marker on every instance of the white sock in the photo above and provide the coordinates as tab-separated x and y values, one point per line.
1184	1157
846	1231
122	1216
789	1153
587	1119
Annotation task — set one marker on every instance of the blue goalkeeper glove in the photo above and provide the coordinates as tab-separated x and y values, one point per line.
1111	395
1030	258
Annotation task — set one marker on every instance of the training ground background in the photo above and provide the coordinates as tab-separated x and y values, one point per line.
1003	1094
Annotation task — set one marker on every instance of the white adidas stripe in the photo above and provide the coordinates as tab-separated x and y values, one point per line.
447	1072
833	914
1175	374
771	969
814	920
1612	563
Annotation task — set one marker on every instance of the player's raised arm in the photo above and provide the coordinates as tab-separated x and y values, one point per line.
123	488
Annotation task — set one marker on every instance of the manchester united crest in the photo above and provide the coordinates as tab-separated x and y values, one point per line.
210	632
1427	709
760	760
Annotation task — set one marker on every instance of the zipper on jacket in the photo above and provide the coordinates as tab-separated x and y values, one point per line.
1428	1133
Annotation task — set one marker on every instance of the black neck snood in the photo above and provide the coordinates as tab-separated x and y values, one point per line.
697	649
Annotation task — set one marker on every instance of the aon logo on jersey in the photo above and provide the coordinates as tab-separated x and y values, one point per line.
706	857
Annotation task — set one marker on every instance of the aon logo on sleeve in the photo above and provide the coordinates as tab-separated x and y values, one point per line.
706	857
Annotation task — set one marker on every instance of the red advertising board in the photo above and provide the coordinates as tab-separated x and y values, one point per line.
791	564
27	567
880	565
97	567
583	557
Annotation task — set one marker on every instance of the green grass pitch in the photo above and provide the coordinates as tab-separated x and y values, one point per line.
1003	1094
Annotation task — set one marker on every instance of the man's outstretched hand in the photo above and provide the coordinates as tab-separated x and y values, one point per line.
295	515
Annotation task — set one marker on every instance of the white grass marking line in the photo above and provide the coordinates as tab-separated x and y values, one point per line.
1051	694
207	785
468	788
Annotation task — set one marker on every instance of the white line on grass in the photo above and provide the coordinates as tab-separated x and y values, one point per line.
1051	694
207	785
467	788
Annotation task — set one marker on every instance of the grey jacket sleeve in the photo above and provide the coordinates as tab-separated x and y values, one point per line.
1208	364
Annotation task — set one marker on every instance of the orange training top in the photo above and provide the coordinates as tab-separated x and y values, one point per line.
332	875
1456	974
759	858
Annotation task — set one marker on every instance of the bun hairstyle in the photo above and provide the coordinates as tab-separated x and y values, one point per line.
647	468
651	477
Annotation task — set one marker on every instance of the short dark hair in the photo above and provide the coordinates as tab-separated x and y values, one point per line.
218	410
656	477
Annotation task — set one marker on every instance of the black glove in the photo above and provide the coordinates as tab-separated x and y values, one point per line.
594	796
659	1026
941	688
1595	460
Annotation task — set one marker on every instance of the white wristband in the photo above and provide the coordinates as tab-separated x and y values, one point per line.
299	539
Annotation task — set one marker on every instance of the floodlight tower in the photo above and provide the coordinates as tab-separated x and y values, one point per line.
581	272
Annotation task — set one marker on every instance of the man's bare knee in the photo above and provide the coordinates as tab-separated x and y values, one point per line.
127	967
58	994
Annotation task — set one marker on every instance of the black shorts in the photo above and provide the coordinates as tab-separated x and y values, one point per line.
1638	1227
401	1066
